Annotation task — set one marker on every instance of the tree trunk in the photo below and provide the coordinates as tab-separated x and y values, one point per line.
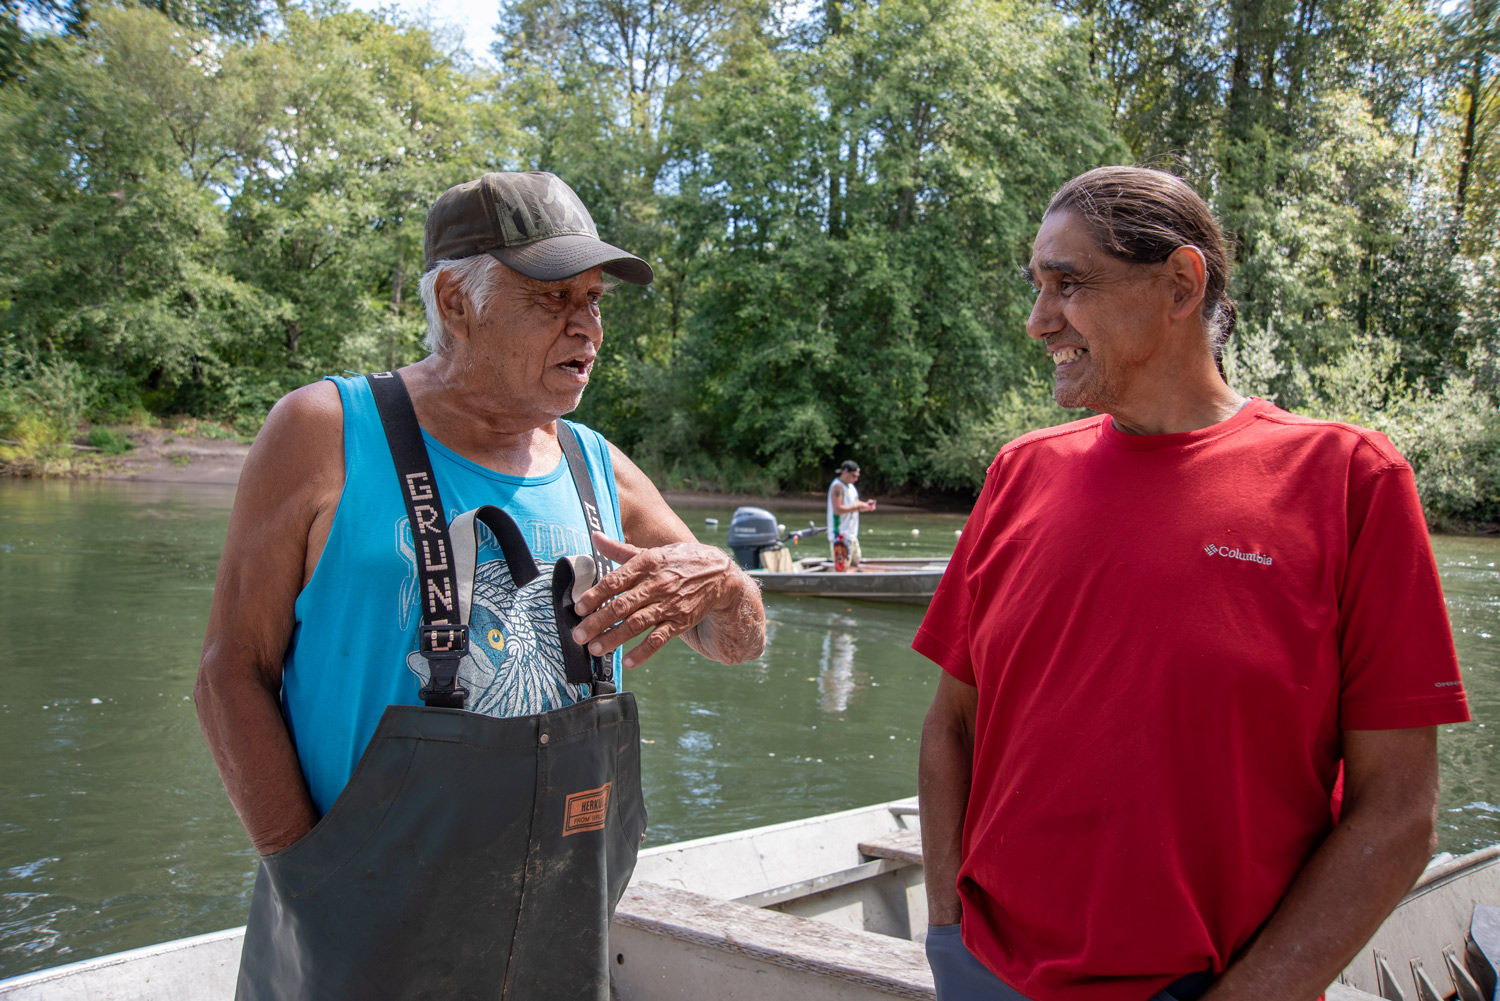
1244	18
398	283
1466	147
1416	136
835	207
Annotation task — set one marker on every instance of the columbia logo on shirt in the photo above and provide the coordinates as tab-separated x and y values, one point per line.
1235	554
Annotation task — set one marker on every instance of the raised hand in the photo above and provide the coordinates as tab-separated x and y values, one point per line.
664	591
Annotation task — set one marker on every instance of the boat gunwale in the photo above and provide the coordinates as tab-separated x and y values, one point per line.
1446	872
643	916
896	807
39	977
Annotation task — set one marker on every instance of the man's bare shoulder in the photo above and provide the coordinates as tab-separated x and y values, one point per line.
301	444
312	411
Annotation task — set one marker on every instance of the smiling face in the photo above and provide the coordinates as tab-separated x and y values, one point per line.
538	340
1101	319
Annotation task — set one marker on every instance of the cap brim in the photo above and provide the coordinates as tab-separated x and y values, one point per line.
559	257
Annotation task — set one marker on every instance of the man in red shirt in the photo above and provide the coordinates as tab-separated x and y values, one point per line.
1165	629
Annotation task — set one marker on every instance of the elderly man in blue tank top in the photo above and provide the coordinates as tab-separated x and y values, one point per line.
316	605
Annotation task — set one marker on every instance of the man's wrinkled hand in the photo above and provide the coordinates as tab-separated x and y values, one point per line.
663	591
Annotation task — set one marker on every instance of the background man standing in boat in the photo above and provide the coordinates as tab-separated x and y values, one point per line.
844	507
1163	630
317	606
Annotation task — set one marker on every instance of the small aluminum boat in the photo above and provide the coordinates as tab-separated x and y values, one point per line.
760	546
830	907
904	580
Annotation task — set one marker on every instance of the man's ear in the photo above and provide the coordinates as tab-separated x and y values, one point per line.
454	308
1187	272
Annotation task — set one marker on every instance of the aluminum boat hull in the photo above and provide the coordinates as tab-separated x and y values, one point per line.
829	908
900	580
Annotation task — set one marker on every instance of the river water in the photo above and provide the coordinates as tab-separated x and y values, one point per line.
115	832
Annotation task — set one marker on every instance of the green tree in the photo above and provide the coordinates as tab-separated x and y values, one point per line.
111	230
372	124
1471	37
205	222
600	88
860	212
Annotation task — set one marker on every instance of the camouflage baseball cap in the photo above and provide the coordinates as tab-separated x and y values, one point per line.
532	222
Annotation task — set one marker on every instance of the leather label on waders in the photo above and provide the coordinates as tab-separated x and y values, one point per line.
586	810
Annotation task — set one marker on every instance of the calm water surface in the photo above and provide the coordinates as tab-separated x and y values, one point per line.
115	832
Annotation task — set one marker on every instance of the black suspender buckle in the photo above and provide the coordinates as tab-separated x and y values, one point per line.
604	681
444	645
436	698
444	640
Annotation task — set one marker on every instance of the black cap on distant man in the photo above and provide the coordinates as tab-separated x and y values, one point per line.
531	222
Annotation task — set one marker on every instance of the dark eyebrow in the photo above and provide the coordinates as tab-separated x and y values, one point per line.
1059	267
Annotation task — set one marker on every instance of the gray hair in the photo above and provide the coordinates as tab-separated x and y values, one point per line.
477	277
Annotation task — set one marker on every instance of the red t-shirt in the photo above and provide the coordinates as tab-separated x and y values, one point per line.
1168	633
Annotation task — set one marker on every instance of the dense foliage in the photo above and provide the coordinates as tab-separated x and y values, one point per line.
205	205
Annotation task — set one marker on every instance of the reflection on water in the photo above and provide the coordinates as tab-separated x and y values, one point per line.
836	670
115	832
822	721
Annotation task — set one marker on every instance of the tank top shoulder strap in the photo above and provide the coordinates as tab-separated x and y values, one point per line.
367	457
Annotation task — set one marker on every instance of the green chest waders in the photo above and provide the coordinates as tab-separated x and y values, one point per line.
469	856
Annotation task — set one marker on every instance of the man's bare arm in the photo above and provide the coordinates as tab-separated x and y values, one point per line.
282	512
944	775
669	584
839	507
1356	877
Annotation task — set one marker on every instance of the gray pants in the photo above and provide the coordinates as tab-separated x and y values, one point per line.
958	976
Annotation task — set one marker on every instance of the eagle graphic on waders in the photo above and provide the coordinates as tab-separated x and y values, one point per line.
486	836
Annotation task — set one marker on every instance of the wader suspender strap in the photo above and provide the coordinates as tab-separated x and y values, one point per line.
604	675
444	641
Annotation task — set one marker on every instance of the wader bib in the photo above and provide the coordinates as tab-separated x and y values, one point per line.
469	856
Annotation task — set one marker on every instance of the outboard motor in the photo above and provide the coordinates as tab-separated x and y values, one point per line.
751	531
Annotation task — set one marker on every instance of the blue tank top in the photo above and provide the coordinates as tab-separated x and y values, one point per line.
357	618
